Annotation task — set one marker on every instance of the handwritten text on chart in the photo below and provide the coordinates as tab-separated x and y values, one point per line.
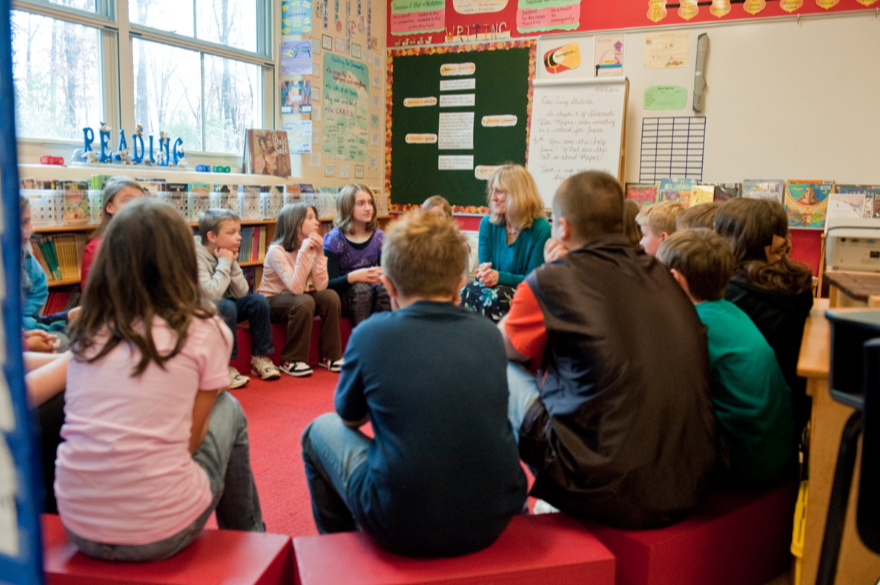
570	135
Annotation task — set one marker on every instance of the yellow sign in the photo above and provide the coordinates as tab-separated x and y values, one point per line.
720	8
419	102
656	10
826	4
866	2
753	7
791	5
421	138
457	69
688	9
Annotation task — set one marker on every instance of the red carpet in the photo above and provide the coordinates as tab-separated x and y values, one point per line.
277	413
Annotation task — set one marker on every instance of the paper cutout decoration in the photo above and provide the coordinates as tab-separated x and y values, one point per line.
656	10
827	4
866	2
562	58
791	5
753	7
719	8
478	6
688	9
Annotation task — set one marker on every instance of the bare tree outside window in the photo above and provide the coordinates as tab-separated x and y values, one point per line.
232	23
56	76
169	15
232	103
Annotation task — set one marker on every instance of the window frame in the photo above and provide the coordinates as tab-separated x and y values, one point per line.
111	18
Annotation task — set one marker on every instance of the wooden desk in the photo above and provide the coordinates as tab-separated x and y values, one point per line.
853	289
857	565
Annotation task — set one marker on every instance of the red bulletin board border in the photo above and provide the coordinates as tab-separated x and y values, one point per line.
600	15
531	45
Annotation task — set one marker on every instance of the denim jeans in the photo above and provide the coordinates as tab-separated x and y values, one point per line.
522	388
253	308
332	453
225	457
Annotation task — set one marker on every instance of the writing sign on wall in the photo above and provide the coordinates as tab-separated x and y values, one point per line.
577	125
346	108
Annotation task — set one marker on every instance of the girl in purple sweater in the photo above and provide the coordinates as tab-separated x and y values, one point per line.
353	249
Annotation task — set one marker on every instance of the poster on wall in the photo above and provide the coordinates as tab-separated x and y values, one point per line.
296	17
412	17
346	108
299	136
296	57
478	6
296	97
545	15
609	56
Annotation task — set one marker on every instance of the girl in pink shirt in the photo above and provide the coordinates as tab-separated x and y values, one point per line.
295	282
152	441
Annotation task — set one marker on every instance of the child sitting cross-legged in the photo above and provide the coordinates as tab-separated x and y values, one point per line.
752	402
222	281
442	476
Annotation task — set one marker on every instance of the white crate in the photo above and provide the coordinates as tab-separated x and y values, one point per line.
176	199
96	204
226	201
44	206
249	205
325	205
293	198
271	204
74	207
197	202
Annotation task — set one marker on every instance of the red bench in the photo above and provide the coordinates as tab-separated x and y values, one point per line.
550	549
217	557
734	538
279	337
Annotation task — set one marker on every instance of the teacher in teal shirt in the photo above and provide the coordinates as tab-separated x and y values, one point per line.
512	239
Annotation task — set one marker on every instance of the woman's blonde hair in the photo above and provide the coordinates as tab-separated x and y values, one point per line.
146	268
345	207
524	203
438	201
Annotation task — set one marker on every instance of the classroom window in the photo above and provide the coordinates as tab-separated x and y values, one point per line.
231	23
232	103
56	75
89	5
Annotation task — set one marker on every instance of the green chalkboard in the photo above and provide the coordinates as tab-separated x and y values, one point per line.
501	83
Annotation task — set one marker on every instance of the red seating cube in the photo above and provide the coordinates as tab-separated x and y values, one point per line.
734	538
279	337
217	557
550	549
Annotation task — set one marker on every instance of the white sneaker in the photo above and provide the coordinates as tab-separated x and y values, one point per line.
335	366
236	380
263	367
542	507
295	369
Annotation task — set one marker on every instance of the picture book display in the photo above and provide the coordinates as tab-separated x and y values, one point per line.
676	189
267	153
642	193
806	203
702	194
727	191
764	189
855	201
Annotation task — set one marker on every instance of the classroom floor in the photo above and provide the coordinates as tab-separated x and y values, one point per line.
278	412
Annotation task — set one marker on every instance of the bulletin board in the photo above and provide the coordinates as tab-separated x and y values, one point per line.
433	92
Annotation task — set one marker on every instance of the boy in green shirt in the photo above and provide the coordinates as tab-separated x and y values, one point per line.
751	399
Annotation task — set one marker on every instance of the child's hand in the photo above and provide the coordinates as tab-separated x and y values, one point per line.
71	314
367	275
553	250
39	340
224	253
374	275
318	241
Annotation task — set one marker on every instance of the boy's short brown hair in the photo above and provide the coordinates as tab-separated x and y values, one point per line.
210	220
698	216
660	217
424	255
703	258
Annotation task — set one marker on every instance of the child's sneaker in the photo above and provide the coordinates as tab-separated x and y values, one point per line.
263	367
236	380
332	366
295	369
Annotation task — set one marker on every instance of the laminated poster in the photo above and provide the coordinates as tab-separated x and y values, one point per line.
478	6
296	97
346	108
609	56
665	97
299	136
545	15
413	17
296	57
296	17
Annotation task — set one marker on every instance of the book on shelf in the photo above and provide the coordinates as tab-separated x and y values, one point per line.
727	191
854	201
151	186
267	152
642	193
763	189
806	203
225	188
677	189
60	255
702	193
250	275
74	205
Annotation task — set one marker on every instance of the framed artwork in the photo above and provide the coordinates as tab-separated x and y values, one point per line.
327	42
358	171
356	50
341	45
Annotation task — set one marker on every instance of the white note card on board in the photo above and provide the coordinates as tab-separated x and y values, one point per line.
577	125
